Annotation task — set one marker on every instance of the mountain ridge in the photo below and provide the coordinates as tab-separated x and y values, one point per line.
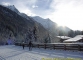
18	28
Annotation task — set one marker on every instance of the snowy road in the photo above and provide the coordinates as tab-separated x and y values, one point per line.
11	52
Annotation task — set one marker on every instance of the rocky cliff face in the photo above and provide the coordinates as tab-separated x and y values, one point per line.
18	28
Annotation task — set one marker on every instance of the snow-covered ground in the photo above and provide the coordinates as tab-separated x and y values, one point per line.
12	52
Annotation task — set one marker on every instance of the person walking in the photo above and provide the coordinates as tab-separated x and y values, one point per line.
9	41
23	45
30	45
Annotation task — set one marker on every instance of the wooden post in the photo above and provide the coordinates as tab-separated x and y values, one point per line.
45	46
79	48
38	45
54	46
27	45
64	47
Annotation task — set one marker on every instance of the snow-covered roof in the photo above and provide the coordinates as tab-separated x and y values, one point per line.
63	37
76	38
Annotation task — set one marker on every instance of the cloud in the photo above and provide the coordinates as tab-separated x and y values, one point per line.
5	3
34	6
42	6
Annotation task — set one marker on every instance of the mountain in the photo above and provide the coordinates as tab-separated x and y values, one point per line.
18	28
48	24
51	26
11	7
51	29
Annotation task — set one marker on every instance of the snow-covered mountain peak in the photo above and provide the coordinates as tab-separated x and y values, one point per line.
45	22
47	18
13	8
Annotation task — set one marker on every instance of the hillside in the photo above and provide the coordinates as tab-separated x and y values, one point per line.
52	26
18	28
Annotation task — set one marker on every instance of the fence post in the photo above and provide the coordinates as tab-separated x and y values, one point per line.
45	46
54	46
64	47
38	45
21	44
79	48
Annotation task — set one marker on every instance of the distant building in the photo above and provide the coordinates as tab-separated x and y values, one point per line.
78	38
62	38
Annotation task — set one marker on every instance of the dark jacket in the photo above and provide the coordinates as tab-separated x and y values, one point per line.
30	43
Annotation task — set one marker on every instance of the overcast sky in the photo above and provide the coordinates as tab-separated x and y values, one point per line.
64	12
